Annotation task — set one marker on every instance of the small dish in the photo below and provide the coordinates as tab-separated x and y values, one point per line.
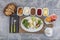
53	17
48	32
47	20
33	11
19	11
26	11
39	12
45	12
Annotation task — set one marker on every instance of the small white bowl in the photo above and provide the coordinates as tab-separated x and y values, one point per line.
48	32
43	12
17	11
24	11
37	10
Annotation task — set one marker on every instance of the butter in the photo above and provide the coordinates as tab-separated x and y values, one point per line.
45	11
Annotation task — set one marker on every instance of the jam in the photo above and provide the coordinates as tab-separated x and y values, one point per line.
39	12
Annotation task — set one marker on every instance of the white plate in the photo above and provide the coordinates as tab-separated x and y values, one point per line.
31	30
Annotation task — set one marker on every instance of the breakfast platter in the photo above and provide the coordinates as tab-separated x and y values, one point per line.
39	29
32	24
29	19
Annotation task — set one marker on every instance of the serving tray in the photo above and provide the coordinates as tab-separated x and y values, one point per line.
41	31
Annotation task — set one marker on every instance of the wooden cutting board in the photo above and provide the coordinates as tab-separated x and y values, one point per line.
41	31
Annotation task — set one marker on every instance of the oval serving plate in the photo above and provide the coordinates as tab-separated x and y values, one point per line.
30	29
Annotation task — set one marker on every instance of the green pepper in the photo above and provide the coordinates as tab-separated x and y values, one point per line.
25	23
39	22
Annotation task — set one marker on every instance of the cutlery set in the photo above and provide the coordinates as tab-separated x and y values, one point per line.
14	24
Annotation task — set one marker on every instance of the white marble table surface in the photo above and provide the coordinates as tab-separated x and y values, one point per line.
54	7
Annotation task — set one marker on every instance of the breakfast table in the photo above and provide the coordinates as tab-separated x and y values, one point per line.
54	7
